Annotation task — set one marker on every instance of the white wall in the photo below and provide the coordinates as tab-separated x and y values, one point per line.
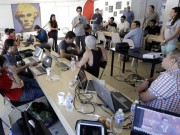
106	15
64	11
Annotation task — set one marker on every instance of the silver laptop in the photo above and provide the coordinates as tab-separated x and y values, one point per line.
39	70
64	66
84	83
37	55
114	100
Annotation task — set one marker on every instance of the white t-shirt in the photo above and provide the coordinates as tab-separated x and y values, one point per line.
123	26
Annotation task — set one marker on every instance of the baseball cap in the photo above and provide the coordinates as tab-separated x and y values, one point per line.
36	27
90	42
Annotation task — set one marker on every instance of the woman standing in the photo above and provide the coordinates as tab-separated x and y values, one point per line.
171	31
53	26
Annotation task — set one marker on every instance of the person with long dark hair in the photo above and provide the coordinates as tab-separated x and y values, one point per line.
171	31
53	26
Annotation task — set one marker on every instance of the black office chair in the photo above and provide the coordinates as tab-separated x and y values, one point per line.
103	66
15	104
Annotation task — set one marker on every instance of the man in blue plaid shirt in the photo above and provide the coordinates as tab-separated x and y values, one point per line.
164	92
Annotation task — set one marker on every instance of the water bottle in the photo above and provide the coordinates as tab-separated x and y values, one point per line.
133	107
118	120
69	102
73	64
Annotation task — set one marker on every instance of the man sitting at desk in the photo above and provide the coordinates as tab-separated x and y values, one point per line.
11	48
67	48
14	88
111	23
135	34
93	56
164	92
152	28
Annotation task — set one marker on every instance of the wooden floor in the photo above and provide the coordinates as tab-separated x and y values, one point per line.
119	81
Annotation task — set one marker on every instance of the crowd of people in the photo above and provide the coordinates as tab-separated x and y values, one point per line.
162	92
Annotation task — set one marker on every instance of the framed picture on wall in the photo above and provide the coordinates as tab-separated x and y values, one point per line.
106	3
118	5
110	8
121	11
127	3
115	13
106	8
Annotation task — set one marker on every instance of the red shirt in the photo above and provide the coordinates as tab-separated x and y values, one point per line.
5	87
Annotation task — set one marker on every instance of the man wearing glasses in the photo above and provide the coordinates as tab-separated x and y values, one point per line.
79	22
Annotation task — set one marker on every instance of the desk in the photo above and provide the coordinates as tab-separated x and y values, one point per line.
52	88
137	55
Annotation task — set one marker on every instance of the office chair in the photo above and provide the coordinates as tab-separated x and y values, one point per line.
103	66
15	104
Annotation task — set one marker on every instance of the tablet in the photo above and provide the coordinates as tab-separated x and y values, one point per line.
86	127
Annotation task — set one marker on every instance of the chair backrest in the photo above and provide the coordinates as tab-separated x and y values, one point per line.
115	38
130	42
101	36
50	42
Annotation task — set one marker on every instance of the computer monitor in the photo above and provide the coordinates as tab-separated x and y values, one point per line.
148	120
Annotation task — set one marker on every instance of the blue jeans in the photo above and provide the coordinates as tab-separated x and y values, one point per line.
31	91
95	26
167	48
80	39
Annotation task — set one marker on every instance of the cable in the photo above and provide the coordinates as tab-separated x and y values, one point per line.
105	110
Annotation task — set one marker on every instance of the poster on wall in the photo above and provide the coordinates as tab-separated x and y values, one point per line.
26	16
115	13
118	5
110	8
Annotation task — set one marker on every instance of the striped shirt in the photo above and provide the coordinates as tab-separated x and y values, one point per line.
167	90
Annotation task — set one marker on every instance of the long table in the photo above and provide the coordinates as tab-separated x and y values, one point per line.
52	88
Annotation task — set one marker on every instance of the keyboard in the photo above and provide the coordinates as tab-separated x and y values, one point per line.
121	101
41	69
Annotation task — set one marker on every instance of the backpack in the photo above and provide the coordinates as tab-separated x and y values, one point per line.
42	112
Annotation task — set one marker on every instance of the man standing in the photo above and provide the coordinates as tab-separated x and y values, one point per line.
79	22
129	15
67	48
96	19
135	34
149	16
164	92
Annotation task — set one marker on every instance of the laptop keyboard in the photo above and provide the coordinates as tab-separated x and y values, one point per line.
41	69
121	102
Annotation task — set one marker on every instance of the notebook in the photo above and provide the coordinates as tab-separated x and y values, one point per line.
36	56
114	100
63	65
84	83
39	70
148	120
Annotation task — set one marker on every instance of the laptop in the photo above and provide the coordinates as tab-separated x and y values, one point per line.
29	41
39	70
36	56
114	100
84	83
152	121
63	65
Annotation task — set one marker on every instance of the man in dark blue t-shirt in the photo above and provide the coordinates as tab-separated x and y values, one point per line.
42	35
152	28
96	19
67	48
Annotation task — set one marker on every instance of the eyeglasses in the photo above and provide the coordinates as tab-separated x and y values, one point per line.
79	11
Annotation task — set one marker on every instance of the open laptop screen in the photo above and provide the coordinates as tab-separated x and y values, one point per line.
82	78
148	120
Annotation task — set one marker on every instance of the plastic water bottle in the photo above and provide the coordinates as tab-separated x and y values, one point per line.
133	107
118	120
69	102
73	64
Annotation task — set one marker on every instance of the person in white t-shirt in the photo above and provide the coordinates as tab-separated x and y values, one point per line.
123	26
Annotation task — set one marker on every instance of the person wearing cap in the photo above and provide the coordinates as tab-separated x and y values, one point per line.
93	56
67	48
111	23
96	19
41	34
